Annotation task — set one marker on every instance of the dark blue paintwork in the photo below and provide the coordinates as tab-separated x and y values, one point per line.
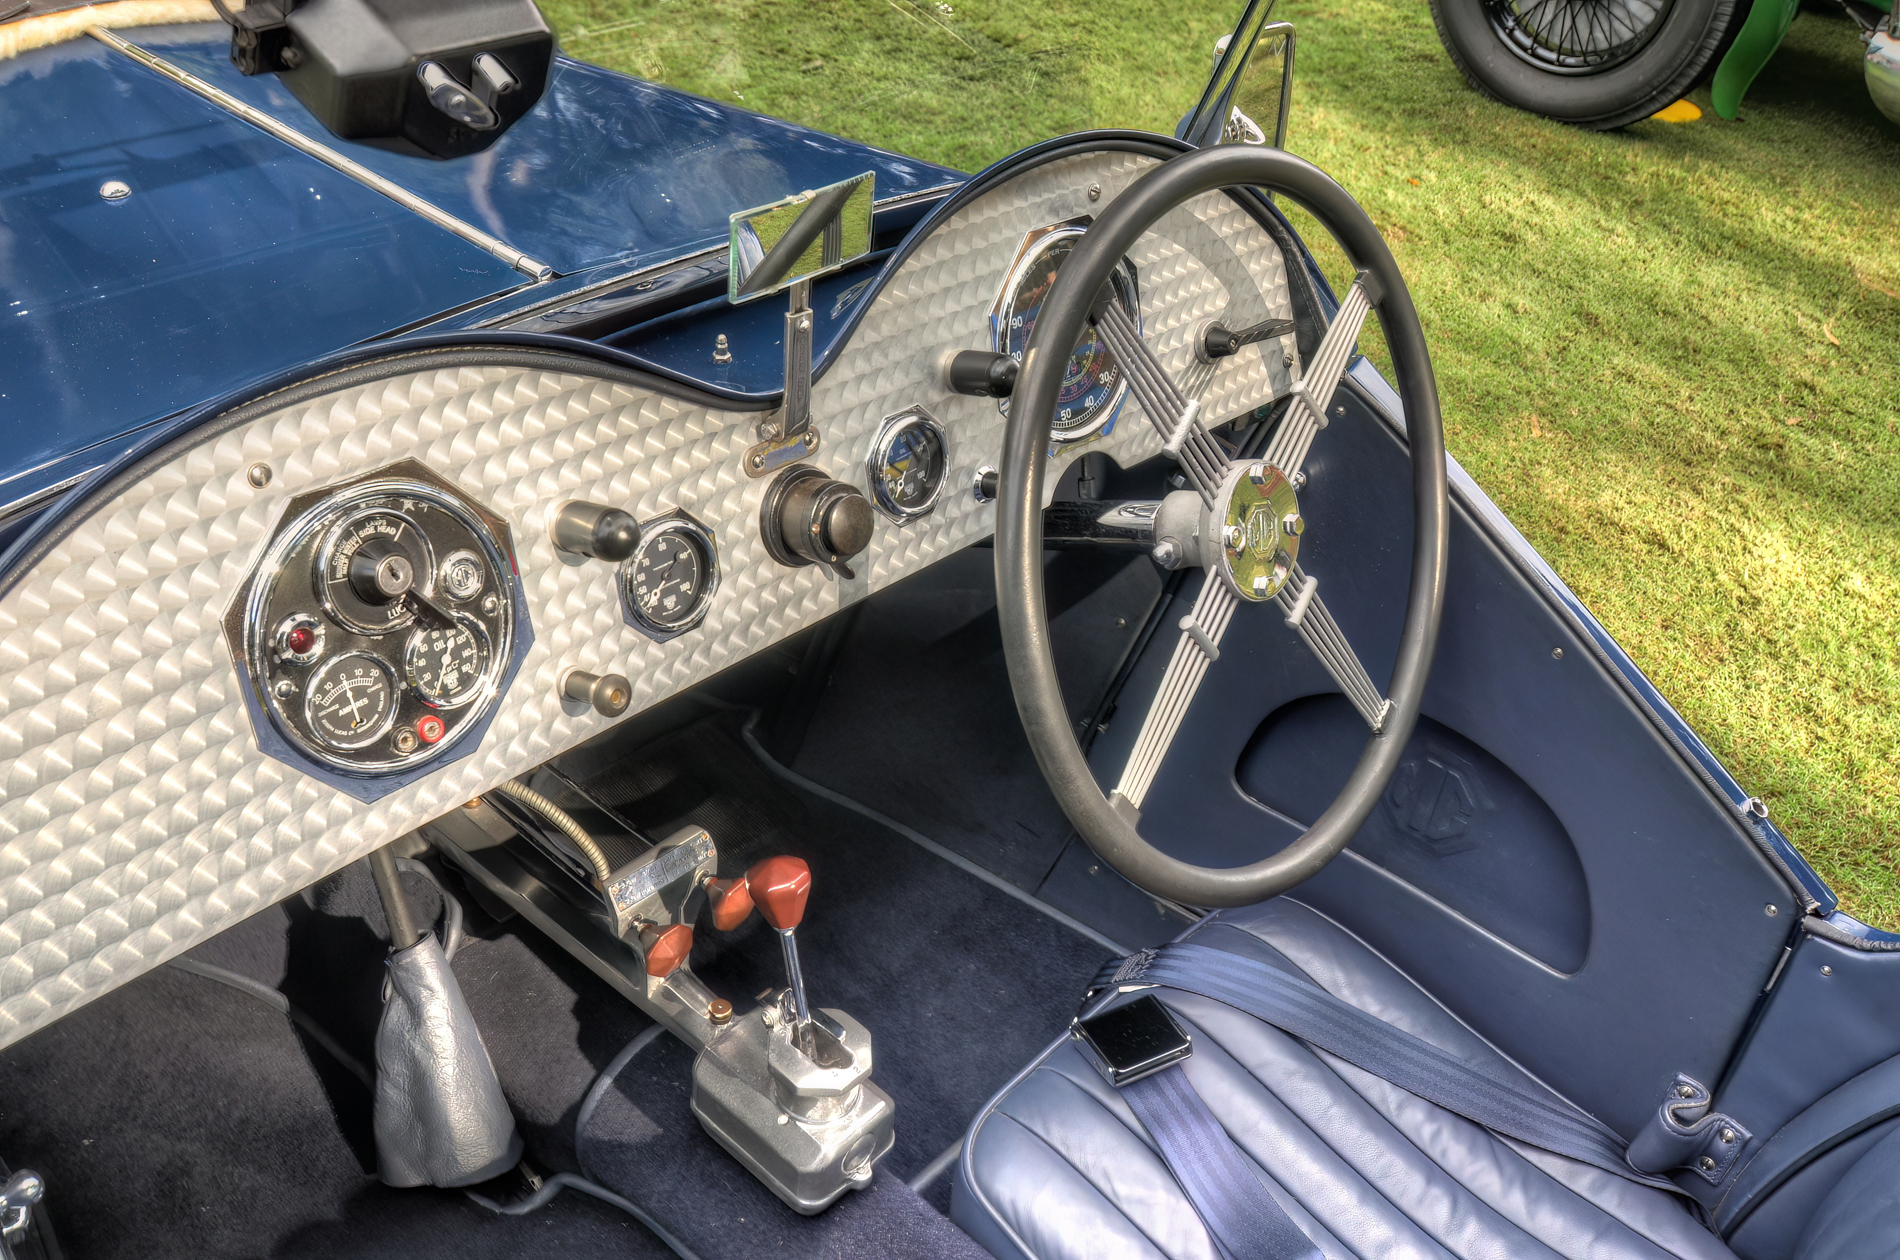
605	168
235	256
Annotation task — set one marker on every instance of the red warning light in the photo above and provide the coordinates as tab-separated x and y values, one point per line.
430	729
301	641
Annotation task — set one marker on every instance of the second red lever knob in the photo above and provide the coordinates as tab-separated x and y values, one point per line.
780	887
731	902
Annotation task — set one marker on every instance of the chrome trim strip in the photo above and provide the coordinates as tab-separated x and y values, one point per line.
602	288
10	512
329	157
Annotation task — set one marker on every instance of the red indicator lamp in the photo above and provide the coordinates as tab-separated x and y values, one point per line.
301	640
430	728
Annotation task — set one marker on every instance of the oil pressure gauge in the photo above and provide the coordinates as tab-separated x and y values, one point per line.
447	665
667	584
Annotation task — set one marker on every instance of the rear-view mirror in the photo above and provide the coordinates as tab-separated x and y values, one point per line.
798	237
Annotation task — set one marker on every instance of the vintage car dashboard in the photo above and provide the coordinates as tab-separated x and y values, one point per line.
302	628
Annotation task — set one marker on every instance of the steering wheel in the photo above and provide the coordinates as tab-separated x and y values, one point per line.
1242	522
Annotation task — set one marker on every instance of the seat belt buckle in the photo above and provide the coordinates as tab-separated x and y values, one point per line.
1134	1040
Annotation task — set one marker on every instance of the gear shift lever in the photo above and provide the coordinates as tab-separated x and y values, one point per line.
780	887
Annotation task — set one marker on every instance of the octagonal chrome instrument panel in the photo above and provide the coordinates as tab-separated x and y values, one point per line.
374	688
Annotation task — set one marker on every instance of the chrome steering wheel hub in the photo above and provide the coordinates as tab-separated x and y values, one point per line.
1256	539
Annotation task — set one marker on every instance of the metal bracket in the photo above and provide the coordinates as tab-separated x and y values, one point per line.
786	435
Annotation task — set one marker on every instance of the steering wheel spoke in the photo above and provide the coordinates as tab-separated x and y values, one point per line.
1313	392
1198	647
1175	416
1308	615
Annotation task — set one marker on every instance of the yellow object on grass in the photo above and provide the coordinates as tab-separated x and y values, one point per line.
1681	111
46	29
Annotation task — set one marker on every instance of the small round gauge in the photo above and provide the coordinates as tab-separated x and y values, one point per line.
462	575
668	582
447	667
368	564
907	464
351	701
1092	382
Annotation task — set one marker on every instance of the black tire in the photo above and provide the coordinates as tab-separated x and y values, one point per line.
1670	59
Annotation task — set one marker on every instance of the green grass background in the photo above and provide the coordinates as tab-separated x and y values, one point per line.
1671	354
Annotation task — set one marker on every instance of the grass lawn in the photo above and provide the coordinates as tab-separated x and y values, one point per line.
1669	353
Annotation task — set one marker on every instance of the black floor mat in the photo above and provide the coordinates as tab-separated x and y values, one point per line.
177	1117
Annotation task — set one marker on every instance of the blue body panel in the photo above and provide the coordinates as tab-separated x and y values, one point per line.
237	257
234	257
604	169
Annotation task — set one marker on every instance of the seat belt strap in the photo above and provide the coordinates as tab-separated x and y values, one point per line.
1245	1221
1517	1109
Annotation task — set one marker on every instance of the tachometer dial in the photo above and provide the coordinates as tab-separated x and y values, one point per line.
1092	383
668	582
351	701
447	667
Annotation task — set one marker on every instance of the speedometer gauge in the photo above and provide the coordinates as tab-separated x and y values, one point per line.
1093	384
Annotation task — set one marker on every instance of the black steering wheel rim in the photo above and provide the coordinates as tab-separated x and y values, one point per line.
1020	601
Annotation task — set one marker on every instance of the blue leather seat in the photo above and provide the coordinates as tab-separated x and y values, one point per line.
1056	1167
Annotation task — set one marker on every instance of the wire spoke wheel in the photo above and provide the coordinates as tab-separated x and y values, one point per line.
1576	36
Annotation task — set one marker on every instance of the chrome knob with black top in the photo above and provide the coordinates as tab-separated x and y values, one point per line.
808	518
595	531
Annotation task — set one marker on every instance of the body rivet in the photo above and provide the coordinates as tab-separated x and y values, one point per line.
259	476
115	190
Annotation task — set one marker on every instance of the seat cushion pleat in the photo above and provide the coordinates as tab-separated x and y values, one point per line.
1366	1169
1095	1193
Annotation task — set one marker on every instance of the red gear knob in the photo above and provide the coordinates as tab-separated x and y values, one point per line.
667	948
731	902
779	886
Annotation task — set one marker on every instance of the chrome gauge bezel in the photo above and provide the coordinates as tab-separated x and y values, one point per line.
1035	245
287	588
488	670
375	732
673	524
878	469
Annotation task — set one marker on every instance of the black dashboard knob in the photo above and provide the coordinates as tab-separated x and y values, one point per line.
595	530
381	572
808	518
984	373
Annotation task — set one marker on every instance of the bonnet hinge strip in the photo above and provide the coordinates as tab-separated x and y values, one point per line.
531	267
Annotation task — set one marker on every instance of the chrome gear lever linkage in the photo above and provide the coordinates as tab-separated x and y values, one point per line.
780	887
